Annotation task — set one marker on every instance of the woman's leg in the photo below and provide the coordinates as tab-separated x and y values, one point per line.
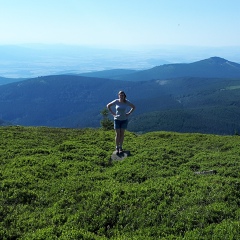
122	131
117	137
121	138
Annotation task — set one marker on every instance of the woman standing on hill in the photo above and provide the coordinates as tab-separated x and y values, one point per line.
120	117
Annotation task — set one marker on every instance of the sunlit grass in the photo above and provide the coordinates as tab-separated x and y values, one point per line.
61	184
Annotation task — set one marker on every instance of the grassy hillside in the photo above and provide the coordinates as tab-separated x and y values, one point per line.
205	106
210	120
60	184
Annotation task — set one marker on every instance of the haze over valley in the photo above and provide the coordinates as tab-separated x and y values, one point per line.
33	60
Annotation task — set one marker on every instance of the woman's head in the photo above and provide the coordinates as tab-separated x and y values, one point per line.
122	95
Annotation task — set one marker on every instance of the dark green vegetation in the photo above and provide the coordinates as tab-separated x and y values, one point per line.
106	122
60	184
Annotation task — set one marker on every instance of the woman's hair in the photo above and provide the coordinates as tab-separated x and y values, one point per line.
125	96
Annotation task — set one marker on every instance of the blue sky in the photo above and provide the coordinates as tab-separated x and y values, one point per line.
121	22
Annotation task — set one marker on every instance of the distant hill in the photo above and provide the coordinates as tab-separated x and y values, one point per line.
214	67
183	104
71	101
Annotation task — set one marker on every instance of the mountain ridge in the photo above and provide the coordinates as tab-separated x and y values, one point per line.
76	101
214	67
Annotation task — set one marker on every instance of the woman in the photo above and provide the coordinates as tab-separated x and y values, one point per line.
120	117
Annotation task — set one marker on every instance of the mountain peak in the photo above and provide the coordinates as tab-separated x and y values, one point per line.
217	60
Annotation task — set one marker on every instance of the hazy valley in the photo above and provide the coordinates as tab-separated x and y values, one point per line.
33	60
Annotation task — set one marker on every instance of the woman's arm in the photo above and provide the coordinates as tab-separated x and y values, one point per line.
132	108
109	107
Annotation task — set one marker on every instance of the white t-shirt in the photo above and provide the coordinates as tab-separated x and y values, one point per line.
121	108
